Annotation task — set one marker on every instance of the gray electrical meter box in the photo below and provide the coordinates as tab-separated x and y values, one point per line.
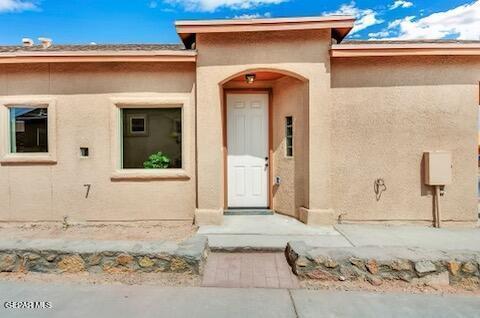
438	168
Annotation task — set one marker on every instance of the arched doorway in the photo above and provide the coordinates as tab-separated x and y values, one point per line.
265	133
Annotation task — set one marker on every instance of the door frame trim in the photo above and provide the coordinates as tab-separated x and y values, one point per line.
227	91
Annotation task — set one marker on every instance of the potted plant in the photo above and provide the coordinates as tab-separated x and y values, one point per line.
157	161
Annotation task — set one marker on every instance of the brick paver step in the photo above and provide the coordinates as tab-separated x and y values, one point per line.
248	270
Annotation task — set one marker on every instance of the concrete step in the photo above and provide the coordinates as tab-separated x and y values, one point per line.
232	212
270	243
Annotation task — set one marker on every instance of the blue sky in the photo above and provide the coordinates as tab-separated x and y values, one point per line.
151	21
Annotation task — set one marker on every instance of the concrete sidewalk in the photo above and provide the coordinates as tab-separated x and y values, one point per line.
411	236
119	301
267	233
273	232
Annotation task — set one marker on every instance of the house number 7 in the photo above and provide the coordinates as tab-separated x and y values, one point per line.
88	189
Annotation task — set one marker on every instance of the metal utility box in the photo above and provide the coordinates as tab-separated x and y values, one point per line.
438	168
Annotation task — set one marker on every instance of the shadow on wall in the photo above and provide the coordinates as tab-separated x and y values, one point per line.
97	78
404	71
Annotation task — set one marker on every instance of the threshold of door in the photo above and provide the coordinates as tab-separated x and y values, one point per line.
247	211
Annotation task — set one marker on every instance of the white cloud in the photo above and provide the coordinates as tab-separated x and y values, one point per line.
253	16
401	4
212	5
153	4
16	5
462	22
365	17
380	34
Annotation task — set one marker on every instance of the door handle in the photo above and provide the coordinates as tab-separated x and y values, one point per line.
266	162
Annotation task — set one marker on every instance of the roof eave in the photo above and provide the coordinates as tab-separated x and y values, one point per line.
95	56
340	26
420	49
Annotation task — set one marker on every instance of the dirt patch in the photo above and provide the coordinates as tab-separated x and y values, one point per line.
151	279
388	286
177	231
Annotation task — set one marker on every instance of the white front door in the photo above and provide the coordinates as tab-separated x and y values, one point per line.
247	125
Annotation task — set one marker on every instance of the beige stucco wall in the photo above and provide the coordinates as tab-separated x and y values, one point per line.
386	113
355	120
290	98
221	56
85	95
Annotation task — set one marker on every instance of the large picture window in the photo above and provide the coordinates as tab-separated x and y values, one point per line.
28	129
151	138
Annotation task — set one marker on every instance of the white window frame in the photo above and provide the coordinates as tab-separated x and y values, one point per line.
182	101
6	155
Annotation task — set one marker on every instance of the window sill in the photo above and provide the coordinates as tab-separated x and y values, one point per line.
27	159
149	175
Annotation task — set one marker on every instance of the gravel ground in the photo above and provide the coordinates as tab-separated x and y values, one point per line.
389	286
142	231
150	279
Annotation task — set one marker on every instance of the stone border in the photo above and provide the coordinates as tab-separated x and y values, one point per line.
376	264
62	256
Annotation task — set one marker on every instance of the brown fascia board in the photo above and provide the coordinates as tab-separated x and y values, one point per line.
340	26
97	56
407	49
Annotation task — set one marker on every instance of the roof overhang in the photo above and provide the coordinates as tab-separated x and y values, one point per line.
411	49
340	26
97	56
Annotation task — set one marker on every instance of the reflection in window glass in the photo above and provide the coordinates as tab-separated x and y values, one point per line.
148	132
29	129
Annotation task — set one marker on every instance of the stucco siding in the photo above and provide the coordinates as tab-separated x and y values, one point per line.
222	56
290	98
83	94
386	113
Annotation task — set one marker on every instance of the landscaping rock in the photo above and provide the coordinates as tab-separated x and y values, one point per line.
8	262
436	280
374	280
178	265
372	266
146	262
124	259
401	265
56	256
51	257
424	267
359	263
379	264
469	267
330	263
71	264
453	267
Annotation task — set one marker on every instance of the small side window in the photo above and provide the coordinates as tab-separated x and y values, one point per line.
28	129
289	136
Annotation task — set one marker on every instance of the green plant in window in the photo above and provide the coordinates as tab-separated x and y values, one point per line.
157	161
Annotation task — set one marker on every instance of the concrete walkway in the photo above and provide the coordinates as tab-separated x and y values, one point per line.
120	301
272	232
267	232
412	236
